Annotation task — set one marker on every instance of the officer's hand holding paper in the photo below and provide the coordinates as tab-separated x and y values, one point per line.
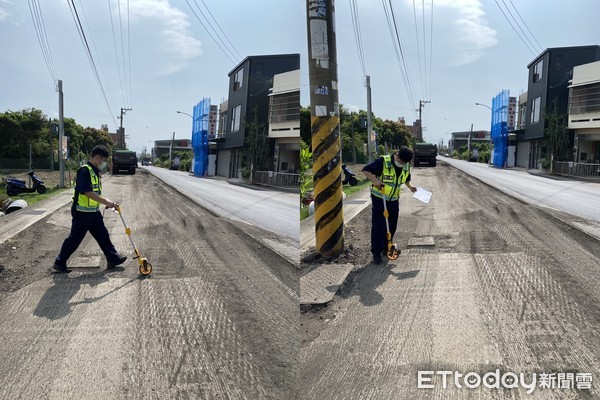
422	195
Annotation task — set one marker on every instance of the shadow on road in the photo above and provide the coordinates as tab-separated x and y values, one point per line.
56	302
365	282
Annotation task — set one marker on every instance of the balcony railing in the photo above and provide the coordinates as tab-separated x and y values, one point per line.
569	168
276	179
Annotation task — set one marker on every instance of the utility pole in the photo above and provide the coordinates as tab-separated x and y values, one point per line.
171	150
121	135
469	141
325	127
421	105
61	135
369	119
353	142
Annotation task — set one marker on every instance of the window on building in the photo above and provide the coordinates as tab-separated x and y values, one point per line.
236	118
535	110
537	71
584	99
238	79
285	107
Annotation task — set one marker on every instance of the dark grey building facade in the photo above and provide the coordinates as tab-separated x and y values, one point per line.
549	75
249	85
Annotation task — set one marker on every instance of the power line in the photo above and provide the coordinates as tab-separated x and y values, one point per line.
122	47
219	26
430	50
40	30
358	35
424	41
129	51
116	51
95	49
520	28
528	30
513	28
89	55
229	55
419	49
398	49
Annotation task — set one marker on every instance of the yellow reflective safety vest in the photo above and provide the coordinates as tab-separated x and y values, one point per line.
84	203
391	180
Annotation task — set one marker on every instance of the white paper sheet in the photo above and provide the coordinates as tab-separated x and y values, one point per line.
422	195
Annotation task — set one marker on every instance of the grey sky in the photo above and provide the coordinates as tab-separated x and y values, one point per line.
174	61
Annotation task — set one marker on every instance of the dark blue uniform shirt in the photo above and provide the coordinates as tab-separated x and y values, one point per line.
376	168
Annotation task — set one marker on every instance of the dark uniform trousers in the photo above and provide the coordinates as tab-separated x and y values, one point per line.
378	230
84	222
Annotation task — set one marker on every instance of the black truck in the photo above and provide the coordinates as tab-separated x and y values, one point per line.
124	160
425	153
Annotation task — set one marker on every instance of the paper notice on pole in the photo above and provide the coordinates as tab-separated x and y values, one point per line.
422	195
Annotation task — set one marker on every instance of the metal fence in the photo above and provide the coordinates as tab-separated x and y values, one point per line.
276	179
570	168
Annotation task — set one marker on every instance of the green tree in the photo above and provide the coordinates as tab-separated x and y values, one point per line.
556	133
257	142
305	132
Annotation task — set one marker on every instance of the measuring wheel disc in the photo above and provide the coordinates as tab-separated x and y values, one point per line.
145	268
393	253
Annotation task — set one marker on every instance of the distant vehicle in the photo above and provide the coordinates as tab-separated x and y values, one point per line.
124	160
146	161
425	153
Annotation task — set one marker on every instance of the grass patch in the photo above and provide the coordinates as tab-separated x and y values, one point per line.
32	198
303	212
353	189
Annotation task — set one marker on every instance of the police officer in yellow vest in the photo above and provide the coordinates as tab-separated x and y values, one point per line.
86	214
387	173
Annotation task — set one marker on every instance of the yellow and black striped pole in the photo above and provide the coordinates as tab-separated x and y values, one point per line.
326	145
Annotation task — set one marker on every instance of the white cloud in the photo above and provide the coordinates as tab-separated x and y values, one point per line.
176	37
3	13
472	30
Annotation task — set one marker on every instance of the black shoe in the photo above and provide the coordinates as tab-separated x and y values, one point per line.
112	264
377	259
61	269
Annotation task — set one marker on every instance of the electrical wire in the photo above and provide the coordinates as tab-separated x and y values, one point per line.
219	26
86	46
228	53
40	30
513	28
122	49
419	49
358	35
520	28
528	30
398	49
116	51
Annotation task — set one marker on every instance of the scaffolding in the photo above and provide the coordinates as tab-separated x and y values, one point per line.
499	129
200	136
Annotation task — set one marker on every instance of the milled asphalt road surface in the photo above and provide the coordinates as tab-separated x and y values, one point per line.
217	318
506	286
270	210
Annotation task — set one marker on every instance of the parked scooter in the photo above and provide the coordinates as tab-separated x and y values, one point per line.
349	177
15	187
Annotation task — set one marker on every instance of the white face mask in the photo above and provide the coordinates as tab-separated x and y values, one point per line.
103	165
398	164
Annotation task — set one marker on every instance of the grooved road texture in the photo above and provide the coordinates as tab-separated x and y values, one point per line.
506	286
216	319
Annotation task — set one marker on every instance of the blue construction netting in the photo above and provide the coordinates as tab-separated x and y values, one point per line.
200	136
499	130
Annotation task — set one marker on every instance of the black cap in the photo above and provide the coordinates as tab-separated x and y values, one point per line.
405	154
